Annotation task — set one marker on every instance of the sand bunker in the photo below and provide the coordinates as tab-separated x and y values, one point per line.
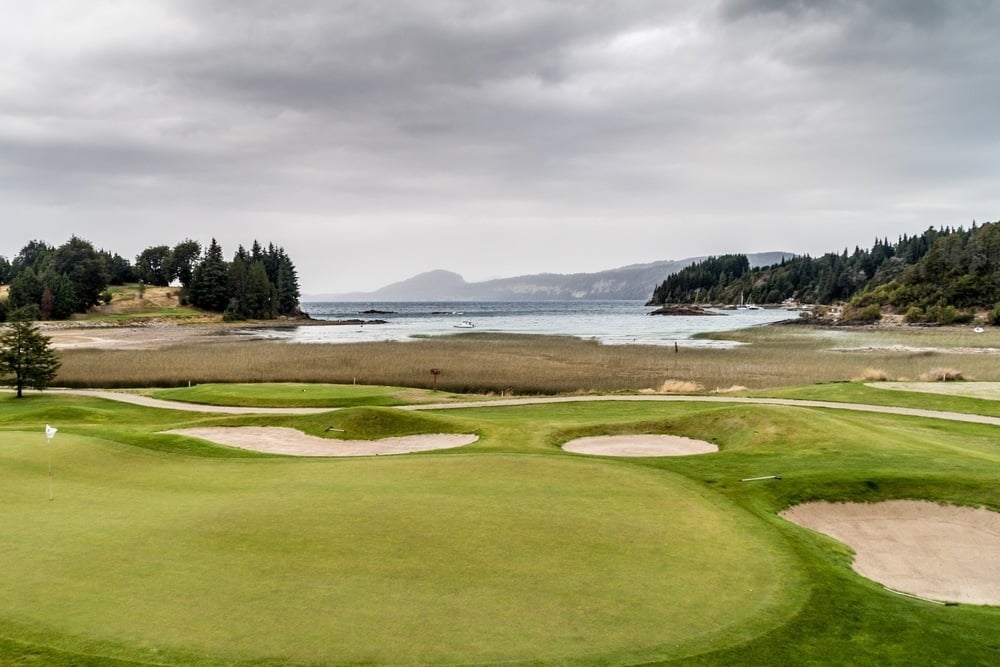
639	445
279	440
941	552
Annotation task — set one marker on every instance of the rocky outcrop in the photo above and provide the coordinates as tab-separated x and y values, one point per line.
674	309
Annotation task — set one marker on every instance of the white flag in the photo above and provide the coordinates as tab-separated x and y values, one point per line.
50	431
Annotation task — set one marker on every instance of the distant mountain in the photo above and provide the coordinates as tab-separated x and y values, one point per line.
635	282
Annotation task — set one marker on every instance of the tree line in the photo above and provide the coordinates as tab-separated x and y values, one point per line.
47	282
941	275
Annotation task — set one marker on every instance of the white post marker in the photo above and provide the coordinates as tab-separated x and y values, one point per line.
50	432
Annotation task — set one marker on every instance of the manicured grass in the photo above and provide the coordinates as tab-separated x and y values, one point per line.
288	394
167	550
859	392
460	559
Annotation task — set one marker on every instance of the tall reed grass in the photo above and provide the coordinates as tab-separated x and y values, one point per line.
504	363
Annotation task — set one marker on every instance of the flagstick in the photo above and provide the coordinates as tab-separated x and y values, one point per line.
50	433
48	449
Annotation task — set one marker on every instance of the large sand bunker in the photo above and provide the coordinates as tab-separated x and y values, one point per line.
639	445
940	552
280	440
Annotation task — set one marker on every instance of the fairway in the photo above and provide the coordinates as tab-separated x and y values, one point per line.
418	559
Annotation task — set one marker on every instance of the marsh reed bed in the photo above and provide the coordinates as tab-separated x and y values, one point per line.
484	363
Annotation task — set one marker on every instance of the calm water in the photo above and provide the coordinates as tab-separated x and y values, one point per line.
610	322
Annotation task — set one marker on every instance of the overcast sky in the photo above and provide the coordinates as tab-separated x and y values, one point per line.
376	140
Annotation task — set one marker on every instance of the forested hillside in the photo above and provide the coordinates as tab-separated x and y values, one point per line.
47	282
940	276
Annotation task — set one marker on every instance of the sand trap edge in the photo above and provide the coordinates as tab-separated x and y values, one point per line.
935	552
292	442
639	446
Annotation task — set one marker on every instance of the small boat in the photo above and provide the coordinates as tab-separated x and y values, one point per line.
465	324
749	305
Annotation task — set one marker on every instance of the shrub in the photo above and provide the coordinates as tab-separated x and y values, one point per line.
680	387
994	315
914	314
942	375
965	316
861	315
873	375
948	314
729	390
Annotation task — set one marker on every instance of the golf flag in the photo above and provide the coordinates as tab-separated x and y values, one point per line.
50	431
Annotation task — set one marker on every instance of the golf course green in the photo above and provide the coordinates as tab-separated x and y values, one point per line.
160	549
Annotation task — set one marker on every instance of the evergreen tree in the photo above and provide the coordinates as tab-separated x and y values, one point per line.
238	283
61	296
119	269
286	283
258	302
26	356
5	270
210	281
25	289
34	255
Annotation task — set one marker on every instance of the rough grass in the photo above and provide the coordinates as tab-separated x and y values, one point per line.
942	375
483	363
872	375
129	304
680	387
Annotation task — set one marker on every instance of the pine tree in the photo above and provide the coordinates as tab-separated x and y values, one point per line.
210	282
238	283
257	302
287	285
26	357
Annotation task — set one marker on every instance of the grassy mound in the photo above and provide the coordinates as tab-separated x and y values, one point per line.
291	394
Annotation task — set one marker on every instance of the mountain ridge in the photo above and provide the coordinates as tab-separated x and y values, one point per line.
634	282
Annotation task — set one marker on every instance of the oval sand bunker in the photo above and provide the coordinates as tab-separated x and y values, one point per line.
940	552
639	445
281	440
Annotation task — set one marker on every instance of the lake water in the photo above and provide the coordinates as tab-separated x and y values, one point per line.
610	322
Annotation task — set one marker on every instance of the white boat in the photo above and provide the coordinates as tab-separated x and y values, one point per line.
748	305
465	324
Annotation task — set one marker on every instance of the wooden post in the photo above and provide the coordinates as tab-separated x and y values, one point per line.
434	374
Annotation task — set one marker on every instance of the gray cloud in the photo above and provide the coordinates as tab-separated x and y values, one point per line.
495	137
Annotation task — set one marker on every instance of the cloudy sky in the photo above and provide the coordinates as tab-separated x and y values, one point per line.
378	139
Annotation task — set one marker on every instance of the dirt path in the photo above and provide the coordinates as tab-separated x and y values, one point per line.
147	401
150	402
856	407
